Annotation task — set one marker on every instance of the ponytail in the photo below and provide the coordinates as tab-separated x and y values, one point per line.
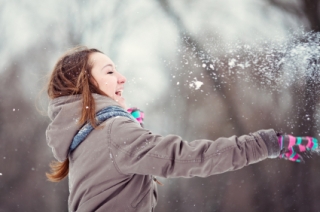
59	170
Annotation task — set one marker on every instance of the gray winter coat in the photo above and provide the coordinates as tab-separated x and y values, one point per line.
113	168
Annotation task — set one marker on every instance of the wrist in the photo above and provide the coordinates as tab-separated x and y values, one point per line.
270	138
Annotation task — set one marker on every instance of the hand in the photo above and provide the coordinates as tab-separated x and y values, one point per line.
291	147
137	114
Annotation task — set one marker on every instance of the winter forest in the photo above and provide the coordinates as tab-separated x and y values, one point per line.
198	69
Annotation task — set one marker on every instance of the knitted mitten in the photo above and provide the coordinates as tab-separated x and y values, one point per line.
291	146
137	114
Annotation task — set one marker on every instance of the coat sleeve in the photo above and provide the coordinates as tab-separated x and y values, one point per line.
135	150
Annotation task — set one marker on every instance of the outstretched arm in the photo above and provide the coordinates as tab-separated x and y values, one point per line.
137	151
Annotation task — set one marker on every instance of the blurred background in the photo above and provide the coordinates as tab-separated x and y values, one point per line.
199	69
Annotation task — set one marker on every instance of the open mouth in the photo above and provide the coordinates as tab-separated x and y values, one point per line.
119	93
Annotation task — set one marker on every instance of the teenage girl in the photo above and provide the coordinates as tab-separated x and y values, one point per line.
111	161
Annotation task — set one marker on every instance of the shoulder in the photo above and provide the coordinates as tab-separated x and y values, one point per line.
127	135
123	127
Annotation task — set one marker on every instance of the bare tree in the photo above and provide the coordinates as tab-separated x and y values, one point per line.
306	125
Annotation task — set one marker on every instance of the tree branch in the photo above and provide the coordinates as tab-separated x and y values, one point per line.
222	89
287	7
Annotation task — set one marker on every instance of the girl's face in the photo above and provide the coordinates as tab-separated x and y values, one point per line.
108	79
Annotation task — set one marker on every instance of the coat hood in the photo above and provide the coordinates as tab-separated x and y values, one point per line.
64	113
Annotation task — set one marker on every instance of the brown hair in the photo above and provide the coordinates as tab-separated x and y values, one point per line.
71	76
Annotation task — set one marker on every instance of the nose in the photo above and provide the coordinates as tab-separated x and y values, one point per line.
121	79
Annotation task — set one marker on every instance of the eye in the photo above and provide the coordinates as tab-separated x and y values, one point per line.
110	72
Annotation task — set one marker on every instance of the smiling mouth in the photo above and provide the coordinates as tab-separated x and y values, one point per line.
119	93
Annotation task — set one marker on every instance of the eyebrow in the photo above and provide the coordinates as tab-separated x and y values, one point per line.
106	66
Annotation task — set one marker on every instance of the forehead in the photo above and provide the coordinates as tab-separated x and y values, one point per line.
99	59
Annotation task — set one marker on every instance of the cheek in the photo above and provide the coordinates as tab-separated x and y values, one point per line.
108	86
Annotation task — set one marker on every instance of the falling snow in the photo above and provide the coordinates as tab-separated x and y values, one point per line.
195	84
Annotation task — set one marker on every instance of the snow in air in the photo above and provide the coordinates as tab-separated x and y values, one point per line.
195	84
